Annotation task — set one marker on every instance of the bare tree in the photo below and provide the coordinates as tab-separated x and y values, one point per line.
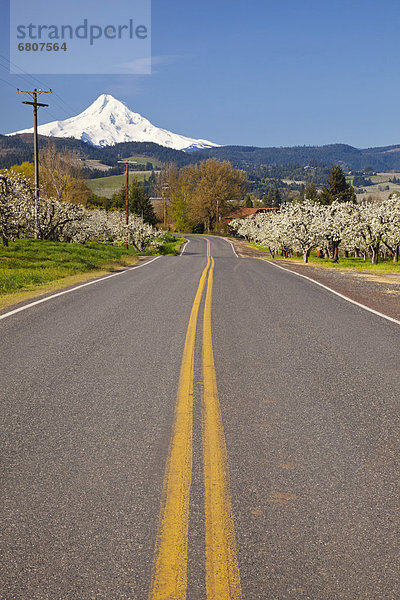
60	173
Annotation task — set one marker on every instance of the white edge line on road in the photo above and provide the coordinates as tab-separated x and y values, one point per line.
184	247
73	289
375	312
233	248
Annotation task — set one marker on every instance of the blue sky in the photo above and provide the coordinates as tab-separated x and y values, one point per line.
255	72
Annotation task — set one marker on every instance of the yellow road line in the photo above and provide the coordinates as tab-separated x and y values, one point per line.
169	579
222	569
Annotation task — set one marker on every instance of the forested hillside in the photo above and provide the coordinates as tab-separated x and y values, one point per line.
18	148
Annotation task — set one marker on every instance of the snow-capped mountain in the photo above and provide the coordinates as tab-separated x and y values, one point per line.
109	121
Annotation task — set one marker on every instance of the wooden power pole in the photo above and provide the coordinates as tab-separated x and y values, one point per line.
165	187
127	162
34	94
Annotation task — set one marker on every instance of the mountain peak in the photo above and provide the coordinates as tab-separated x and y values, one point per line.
105	100
108	121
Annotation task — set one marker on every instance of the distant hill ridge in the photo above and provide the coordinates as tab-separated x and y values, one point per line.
17	148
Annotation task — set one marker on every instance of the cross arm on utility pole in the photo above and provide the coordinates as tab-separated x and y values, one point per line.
34	103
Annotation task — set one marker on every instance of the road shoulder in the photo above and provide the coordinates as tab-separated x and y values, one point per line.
378	291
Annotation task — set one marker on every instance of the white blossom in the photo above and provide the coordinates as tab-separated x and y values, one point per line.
369	228
64	222
302	223
16	207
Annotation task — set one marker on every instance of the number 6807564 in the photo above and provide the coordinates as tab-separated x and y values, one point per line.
42	47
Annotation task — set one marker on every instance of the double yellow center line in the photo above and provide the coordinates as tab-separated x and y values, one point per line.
169	578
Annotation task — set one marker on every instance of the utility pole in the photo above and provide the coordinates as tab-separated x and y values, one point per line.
165	186
34	94
127	196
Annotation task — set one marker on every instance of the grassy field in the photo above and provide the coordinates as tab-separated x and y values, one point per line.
92	163
107	186
143	160
383	177
380	181
357	264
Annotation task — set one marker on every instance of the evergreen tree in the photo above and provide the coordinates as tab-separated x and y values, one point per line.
337	188
273	199
311	192
139	202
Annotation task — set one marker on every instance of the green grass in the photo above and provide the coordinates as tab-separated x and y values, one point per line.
107	186
32	264
379	178
143	160
357	264
170	247
28	264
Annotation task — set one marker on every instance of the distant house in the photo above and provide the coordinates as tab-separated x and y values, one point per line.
243	212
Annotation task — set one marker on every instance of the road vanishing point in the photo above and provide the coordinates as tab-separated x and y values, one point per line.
200	427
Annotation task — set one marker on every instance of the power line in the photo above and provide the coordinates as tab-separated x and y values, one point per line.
26	79
7	82
74	110
10	62
13	87
48	112
62	104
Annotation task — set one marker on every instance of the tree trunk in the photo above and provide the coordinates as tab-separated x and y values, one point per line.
375	254
5	242
396	254
306	256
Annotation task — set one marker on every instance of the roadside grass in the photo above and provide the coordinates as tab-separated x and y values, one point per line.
28	264
170	247
30	268
357	264
24	295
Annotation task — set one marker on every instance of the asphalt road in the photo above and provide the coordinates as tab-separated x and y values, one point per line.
308	447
